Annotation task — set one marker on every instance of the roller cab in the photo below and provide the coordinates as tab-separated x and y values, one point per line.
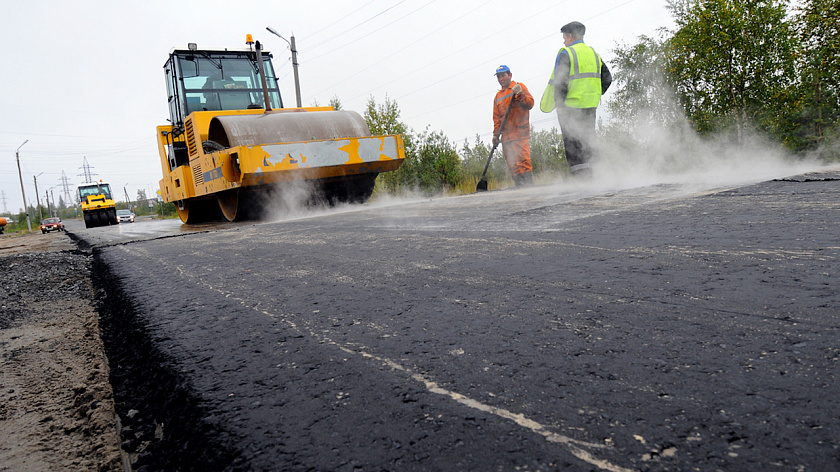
231	146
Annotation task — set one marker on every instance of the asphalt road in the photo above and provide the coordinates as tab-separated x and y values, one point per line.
573	327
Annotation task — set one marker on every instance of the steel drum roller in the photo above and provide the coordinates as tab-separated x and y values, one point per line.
285	127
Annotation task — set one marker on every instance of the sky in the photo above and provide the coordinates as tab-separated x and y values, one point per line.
83	82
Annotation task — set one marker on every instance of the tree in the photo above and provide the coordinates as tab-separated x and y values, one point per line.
438	165
335	103
817	112
141	202
731	61
642	96
384	119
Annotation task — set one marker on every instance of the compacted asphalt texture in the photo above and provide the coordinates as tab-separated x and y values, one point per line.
565	327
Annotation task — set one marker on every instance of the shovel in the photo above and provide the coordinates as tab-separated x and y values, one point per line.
482	184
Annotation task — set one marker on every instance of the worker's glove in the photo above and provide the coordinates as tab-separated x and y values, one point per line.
517	89
495	140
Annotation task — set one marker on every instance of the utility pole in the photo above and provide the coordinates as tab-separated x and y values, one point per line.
127	200
294	60
22	192
37	197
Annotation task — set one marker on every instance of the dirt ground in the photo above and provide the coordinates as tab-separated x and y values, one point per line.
56	403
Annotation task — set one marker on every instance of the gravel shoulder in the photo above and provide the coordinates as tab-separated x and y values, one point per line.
56	402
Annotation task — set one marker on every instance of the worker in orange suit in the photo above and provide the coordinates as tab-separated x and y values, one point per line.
516	134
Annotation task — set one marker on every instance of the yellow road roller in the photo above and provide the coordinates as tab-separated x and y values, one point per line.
232	148
98	205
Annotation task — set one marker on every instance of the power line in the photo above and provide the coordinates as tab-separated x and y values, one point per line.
399	50
354	27
342	18
482	40
437	82
374	31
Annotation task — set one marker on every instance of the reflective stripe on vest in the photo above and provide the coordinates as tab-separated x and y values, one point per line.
584	77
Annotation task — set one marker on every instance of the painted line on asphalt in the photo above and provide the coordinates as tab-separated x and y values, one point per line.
519	419
574	446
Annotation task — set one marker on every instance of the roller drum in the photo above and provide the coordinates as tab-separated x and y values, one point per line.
286	127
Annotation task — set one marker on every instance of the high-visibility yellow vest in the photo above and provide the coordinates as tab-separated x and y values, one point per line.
584	79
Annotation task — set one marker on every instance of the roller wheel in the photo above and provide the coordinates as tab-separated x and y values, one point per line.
88	220
229	203
198	211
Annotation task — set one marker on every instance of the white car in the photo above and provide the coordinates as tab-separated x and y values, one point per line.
125	216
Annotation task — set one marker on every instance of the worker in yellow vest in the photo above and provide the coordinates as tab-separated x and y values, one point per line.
577	82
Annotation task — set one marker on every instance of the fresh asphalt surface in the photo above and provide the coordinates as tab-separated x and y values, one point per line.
658	327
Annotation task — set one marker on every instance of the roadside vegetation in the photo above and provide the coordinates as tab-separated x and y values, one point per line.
731	71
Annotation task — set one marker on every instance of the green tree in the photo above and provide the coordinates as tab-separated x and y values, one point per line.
731	61
642	96
816	115
474	158
384	119
335	103
438	165
141	203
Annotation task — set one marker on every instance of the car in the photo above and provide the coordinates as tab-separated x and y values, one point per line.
125	215
51	224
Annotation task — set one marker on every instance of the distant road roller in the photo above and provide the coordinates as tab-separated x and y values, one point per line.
98	205
232	147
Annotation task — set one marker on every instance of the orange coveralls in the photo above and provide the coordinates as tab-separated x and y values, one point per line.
516	135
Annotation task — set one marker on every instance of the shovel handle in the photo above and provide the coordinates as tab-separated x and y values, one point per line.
493	149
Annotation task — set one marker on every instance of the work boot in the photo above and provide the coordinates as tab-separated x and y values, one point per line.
526	179
581	171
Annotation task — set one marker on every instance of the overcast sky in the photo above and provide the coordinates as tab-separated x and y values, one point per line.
85	79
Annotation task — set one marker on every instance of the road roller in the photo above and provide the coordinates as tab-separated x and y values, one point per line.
231	148
98	205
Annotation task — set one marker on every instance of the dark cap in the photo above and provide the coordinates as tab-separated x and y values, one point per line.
575	28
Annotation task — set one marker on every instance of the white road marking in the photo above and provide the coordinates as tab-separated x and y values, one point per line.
574	446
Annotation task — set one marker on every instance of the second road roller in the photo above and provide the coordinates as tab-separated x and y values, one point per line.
231	146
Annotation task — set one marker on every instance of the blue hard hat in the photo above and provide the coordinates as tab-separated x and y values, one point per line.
502	68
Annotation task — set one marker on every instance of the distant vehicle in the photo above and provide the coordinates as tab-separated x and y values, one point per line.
51	224
125	215
98	206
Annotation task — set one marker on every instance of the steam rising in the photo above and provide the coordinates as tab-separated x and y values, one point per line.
646	155
653	153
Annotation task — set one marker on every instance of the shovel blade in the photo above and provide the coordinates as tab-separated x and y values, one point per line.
482	186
